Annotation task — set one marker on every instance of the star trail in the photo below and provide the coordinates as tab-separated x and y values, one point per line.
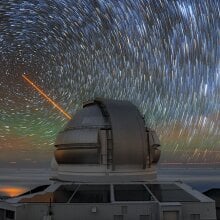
164	56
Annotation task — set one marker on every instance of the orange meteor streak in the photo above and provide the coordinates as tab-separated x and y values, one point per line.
46	97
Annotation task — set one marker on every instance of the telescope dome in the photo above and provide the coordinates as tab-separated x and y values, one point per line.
106	139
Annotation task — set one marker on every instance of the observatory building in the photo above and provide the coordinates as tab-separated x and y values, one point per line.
104	167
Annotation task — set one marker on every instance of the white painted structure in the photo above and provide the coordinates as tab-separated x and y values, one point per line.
105	168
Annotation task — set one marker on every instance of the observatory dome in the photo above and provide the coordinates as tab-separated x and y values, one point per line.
106	140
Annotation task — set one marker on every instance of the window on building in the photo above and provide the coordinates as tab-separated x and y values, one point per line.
63	193
131	192
170	193
92	194
10	214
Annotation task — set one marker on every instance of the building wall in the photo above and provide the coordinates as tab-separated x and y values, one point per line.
119	211
21	212
114	211
91	212
206	210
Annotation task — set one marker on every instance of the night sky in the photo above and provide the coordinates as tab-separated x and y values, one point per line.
164	56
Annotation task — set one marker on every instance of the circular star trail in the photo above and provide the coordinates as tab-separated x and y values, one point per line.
164	56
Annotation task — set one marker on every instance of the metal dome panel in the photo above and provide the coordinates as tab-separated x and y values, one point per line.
90	116
77	136
129	136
